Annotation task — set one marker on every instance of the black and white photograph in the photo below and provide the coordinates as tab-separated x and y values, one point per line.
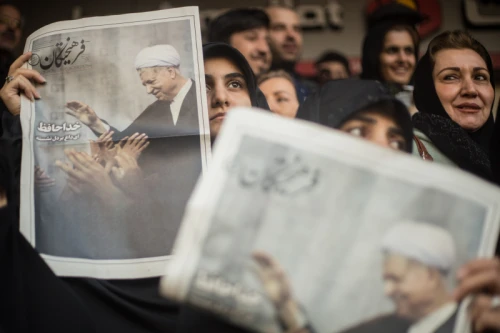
120	140
323	239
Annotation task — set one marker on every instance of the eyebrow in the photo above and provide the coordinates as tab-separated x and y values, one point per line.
364	119
281	92
235	75
475	69
368	120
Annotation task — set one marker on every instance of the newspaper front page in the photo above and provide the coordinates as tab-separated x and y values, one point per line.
293	217
113	149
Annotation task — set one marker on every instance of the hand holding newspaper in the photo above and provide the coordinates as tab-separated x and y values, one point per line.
299	228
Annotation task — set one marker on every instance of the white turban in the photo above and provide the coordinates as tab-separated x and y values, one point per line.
158	55
426	243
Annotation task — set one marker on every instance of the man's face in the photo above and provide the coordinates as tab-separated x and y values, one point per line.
285	34
410	285
331	70
226	88
253	44
10	27
158	82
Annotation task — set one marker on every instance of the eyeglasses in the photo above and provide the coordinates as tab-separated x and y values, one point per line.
12	22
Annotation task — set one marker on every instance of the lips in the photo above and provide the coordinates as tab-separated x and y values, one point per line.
400	70
218	115
290	47
468	107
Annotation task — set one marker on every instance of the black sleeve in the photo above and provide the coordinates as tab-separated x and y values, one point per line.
33	298
193	320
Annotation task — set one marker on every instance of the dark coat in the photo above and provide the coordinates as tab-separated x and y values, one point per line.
391	323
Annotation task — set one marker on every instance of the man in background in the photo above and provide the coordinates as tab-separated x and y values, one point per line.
11	23
286	43
247	30
332	65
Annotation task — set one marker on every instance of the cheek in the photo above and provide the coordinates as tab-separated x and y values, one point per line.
385	60
446	93
241	99
412	60
487	96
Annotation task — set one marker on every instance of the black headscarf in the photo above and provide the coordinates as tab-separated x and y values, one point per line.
495	153
339	100
223	50
468	150
379	24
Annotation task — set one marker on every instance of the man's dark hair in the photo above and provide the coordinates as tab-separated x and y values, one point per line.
332	56
236	20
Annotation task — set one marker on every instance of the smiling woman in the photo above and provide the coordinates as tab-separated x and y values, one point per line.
454	93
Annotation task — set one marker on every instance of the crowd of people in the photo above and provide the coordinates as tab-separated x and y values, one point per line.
438	107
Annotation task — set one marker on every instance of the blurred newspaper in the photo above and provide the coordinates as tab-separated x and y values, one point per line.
293	211
113	150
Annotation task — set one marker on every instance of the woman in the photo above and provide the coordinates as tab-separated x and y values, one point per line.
454	93
230	82
280	93
390	48
362	108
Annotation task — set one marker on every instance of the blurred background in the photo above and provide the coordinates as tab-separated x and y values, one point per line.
327	24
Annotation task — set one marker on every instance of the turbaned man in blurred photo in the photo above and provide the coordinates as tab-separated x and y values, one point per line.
418	257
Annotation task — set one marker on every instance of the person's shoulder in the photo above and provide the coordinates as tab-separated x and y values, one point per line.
384	323
436	154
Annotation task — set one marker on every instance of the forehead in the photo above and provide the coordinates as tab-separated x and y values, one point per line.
395	263
283	15
458	58
332	64
257	30
378	116
277	84
10	11
149	73
398	37
220	67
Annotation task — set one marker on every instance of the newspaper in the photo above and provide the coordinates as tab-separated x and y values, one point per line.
110	155
315	205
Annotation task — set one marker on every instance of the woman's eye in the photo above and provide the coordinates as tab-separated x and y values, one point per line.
409	50
397	144
481	77
235	84
207	88
356	131
450	77
392	50
282	99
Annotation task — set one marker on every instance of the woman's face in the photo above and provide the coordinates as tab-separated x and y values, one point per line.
463	86
397	60
281	96
376	128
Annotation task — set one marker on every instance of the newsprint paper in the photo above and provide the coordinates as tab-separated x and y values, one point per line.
298	223
114	147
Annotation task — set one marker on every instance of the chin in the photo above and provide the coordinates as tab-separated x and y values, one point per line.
399	80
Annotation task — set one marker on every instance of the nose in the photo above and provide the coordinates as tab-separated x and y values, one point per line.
388	288
468	87
379	137
263	46
220	97
273	106
402	56
149	89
